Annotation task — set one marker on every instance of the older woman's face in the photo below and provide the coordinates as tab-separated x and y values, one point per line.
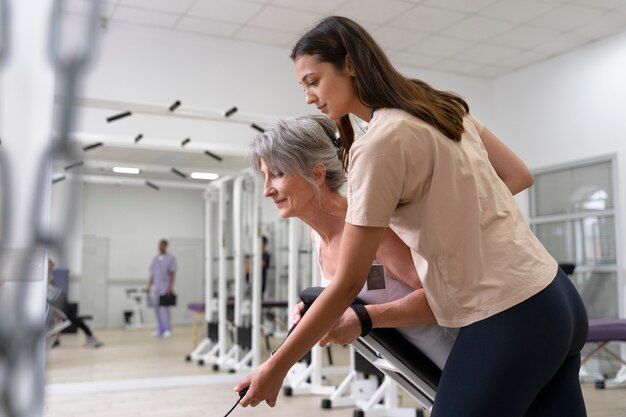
292	194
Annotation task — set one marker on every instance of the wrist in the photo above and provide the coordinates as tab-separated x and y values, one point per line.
276	361
364	318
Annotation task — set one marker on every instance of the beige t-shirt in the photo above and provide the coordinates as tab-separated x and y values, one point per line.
446	202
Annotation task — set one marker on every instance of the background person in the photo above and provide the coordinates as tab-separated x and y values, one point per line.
265	264
162	273
91	341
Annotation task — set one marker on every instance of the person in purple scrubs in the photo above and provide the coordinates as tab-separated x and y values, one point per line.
162	273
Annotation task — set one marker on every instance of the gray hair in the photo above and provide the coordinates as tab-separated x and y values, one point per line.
295	145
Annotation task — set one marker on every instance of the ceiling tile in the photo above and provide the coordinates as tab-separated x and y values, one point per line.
144	17
266	36
427	19
391	52
414	60
441	46
370	27
489	72
522	59
457	67
468	6
607	24
287	20
486	54
554	1
233	11
397	38
560	44
478	28
178	6
374	11
325	7
516	11
207	27
601	4
566	17
524	37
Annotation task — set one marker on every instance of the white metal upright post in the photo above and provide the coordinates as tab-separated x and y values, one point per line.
256	276
292	283
222	253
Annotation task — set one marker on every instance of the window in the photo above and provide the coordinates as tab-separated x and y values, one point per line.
573	213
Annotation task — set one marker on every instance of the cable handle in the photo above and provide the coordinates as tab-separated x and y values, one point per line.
242	394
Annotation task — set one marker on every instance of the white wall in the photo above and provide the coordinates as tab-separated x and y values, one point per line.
568	109
62	194
134	219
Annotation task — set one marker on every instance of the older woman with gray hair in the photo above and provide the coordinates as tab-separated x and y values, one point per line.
300	161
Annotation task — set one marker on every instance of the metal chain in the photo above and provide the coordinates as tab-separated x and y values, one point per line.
21	336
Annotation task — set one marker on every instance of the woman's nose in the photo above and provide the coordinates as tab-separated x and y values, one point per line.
310	98
267	189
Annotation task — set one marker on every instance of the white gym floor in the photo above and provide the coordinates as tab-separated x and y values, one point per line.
136	375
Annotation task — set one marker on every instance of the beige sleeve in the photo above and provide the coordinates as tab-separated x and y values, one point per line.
480	126
375	182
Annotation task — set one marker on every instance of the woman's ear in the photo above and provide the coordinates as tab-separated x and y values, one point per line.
349	67
319	173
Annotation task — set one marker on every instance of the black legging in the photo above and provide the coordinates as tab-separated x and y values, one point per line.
522	362
78	322
57	299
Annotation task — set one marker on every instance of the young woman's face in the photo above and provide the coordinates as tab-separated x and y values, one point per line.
329	89
292	194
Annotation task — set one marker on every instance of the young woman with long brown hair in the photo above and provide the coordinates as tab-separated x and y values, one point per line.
432	172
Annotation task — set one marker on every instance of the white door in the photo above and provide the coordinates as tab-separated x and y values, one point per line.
189	281
93	284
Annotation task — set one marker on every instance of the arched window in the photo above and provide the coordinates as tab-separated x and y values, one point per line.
572	212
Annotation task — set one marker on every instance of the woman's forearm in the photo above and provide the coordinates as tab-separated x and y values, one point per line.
411	310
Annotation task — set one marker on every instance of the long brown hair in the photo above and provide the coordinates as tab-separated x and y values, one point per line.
377	83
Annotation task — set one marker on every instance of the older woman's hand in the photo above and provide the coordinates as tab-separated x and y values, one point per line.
345	331
297	313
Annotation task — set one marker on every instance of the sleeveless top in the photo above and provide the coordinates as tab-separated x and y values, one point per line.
433	340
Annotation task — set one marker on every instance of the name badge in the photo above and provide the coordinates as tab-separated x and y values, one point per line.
376	277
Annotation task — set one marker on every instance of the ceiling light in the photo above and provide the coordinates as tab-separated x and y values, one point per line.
126	170
204	176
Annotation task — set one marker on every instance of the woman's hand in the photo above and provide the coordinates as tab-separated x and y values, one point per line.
264	384
345	331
